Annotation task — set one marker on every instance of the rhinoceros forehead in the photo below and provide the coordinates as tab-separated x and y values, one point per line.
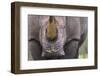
61	20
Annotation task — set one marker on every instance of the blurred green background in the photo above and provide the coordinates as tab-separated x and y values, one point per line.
83	50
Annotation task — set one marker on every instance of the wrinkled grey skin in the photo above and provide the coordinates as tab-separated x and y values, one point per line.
76	32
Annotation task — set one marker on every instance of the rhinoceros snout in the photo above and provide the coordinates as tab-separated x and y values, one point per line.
52	52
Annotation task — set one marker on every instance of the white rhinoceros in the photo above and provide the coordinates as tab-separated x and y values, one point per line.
56	37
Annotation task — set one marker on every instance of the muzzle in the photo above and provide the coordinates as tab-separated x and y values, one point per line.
53	51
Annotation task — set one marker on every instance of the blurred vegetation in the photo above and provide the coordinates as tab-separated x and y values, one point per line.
83	50
29	55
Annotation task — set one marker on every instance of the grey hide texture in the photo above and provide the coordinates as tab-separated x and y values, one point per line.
76	32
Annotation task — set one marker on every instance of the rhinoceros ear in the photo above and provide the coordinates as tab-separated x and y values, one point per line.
51	31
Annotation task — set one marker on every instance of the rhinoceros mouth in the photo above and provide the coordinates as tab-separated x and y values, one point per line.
50	54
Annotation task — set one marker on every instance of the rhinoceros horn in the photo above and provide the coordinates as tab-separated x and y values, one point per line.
51	31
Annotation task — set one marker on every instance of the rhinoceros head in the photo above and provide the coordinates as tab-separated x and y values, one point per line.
52	38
